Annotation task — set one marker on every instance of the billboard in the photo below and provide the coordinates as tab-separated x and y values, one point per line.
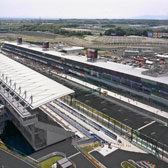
150	34
19	40
91	53
165	34
160	35
155	35
46	44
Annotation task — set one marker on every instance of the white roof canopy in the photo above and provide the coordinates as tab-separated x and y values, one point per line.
74	48
33	88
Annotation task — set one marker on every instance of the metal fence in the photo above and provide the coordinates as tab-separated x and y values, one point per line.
144	142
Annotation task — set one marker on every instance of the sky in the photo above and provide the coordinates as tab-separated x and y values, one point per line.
109	9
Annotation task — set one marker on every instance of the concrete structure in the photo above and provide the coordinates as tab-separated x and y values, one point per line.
110	75
3	30
147	53
1	118
129	53
64	163
72	50
23	91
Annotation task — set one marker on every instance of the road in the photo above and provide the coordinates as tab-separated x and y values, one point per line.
8	160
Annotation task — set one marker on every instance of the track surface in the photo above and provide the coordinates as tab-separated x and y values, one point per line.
9	161
116	158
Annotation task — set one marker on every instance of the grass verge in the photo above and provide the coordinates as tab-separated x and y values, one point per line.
49	162
127	165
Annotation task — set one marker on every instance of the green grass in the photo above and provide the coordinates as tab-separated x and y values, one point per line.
91	147
49	162
127	165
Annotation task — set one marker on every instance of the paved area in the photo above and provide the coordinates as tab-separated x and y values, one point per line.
115	159
158	132
10	161
115	111
65	146
82	162
120	97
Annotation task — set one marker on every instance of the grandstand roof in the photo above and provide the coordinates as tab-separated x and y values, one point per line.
74	48
33	88
126	69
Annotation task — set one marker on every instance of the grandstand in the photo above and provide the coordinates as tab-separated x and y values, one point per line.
110	75
23	91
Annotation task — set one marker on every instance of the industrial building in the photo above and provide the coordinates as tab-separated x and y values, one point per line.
106	74
23	92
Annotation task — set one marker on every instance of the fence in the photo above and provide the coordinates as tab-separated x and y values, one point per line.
144	142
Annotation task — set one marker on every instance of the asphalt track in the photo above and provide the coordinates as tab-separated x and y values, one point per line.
82	162
115	159
8	160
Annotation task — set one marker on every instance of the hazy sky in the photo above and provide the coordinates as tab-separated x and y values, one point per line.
82	8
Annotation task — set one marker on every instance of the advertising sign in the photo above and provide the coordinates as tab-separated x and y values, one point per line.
160	35
150	34
155	35
165	34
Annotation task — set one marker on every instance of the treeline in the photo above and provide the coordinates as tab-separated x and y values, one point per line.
50	28
125	32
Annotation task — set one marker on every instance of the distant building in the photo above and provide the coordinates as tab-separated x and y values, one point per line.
128	53
3	30
73	50
147	53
